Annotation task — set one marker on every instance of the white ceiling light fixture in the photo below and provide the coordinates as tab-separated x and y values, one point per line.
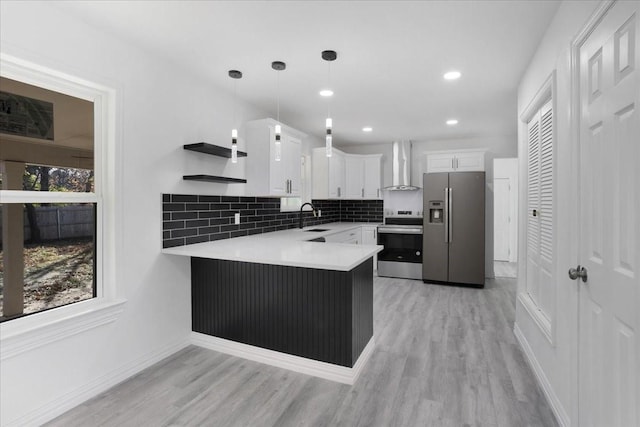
367	129
452	75
278	66
452	122
329	56
326	92
235	75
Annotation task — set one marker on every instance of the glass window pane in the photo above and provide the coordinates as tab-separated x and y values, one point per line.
47	257
48	178
46	139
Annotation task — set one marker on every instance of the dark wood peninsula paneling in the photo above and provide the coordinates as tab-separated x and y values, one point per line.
318	314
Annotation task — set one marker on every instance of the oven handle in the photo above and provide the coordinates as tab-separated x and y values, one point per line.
382	230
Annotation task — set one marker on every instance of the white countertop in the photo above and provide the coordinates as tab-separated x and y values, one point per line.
287	247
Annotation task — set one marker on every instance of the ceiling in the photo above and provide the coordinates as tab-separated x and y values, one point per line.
391	58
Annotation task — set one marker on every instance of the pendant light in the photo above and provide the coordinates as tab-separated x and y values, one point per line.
235	75
278	66
329	56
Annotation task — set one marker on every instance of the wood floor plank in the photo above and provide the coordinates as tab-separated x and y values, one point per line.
444	356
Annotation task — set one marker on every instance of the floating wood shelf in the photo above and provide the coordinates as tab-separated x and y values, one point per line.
213	178
214	150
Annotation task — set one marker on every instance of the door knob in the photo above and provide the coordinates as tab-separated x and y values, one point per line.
581	272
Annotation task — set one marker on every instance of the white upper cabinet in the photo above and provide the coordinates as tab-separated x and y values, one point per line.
354	177
328	180
346	176
455	161
363	176
373	176
265	175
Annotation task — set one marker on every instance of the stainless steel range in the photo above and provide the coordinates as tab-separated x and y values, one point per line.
401	237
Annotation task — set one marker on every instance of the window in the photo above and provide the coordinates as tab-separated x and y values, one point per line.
57	180
48	229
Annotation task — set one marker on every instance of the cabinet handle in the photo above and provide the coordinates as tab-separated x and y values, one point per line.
338	191
363	193
378	193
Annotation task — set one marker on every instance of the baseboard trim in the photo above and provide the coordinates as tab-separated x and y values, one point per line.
62	404
556	406
324	370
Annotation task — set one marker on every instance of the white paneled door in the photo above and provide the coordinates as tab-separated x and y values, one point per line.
501	219
609	193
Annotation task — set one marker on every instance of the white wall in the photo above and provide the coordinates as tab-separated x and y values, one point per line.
160	107
554	363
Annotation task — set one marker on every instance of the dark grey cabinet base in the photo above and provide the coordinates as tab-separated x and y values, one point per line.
323	315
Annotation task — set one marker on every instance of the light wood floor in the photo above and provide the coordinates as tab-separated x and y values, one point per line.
445	356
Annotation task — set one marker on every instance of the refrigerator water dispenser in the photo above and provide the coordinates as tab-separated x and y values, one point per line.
436	212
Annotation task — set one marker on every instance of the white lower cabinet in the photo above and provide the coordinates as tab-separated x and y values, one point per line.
364	235
370	237
353	236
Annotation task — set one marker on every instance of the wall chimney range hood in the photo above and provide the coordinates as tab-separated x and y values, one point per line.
401	167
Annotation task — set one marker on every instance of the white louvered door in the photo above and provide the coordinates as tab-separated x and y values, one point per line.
540	215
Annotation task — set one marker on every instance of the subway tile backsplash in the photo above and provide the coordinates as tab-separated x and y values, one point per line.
188	219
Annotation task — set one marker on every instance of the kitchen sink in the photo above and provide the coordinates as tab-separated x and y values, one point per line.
318	230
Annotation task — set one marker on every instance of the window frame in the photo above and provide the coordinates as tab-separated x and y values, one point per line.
41	328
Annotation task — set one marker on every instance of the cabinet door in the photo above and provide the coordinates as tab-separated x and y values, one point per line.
369	235
277	169
293	150
354	174
336	176
372	177
440	162
469	162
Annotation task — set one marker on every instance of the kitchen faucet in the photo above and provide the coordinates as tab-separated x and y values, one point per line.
301	215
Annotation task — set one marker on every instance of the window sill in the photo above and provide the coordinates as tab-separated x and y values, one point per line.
39	329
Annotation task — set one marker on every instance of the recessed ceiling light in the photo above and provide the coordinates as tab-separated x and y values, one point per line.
452	122
452	75
367	129
326	92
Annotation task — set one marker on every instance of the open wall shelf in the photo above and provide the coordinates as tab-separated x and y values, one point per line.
215	150
214	178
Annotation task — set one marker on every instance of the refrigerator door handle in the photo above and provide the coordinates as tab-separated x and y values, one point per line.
446	215
450	219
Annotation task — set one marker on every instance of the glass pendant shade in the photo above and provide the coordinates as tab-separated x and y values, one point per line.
234	146
278	151
329	137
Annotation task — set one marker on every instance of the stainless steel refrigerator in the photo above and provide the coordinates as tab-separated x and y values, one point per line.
453	243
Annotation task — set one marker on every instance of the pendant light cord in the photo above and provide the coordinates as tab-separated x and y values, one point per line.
235	102
329	86
278	95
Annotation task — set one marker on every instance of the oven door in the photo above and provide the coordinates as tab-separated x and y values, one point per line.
400	245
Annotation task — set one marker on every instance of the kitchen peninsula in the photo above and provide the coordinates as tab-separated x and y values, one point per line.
282	299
